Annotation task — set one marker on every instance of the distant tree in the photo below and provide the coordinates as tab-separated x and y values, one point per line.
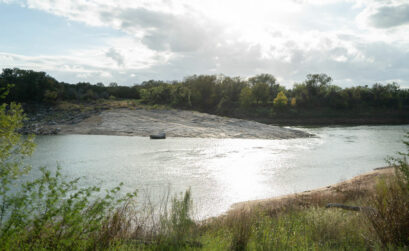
50	96
315	82
281	100
29	86
246	97
204	91
180	96
335	97
270	80
385	95
231	88
293	102
90	95
263	78
260	91
211	93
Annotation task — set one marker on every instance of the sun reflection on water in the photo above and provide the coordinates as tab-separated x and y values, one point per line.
221	172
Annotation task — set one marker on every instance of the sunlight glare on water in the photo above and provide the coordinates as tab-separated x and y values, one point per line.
221	172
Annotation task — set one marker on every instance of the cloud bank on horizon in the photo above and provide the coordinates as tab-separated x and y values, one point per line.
355	42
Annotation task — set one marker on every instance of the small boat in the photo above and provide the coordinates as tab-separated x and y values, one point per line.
158	136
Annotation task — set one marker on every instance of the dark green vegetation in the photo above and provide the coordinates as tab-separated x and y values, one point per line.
49	212
262	98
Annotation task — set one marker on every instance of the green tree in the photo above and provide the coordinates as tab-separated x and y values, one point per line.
50	96
204	91
314	81
180	96
270	80
230	90
246	97
317	86
260	91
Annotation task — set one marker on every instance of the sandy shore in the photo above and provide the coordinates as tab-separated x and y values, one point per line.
352	189
175	123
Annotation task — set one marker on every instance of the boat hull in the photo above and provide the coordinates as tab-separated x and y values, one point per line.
158	136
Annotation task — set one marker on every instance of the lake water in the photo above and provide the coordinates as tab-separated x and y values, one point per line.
221	172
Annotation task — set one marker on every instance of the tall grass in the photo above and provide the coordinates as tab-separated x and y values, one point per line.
240	228
177	228
390	219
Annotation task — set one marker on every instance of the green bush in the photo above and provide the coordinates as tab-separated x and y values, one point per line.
390	219
47	212
52	213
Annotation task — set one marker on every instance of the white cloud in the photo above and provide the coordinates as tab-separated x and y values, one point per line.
170	39
390	16
116	56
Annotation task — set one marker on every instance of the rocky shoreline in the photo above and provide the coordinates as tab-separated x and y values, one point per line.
143	122
49	120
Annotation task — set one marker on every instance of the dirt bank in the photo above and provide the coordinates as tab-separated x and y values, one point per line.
175	123
349	190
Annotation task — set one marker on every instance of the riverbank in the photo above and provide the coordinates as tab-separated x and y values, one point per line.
176	123
327	117
134	120
353	189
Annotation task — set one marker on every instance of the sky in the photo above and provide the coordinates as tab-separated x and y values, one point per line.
130	41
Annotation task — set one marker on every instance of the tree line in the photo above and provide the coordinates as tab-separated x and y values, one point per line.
217	94
31	86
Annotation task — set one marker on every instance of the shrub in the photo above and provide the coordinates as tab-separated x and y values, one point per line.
52	213
14	148
47	212
50	96
390	219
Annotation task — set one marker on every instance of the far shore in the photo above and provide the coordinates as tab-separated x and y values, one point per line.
131	118
173	122
358	187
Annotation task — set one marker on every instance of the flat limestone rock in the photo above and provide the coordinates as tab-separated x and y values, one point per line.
177	123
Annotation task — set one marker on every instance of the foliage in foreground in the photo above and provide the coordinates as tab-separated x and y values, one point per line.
51	213
47	212
390	220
